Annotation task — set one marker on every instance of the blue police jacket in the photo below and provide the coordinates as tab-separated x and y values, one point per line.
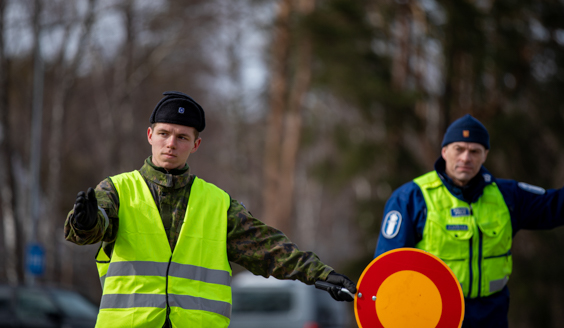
530	207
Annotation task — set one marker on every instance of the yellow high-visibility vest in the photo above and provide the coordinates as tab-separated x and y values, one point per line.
144	280
474	240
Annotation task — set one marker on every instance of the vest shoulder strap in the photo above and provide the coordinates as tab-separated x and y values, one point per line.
118	179
428	180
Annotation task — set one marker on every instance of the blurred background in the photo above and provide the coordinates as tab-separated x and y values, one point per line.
316	111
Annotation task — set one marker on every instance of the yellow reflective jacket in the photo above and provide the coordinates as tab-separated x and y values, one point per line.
144	280
474	240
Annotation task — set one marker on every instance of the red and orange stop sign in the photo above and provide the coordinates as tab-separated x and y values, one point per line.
408	287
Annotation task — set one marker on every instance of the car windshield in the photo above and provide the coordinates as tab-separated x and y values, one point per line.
74	305
32	303
264	300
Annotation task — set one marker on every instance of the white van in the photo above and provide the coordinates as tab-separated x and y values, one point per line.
273	303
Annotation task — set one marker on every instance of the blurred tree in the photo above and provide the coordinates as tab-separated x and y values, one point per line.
66	75
289	83
272	214
10	223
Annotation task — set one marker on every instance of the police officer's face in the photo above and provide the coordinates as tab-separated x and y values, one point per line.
172	144
463	160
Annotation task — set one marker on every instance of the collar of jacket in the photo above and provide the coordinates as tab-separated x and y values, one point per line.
470	192
176	178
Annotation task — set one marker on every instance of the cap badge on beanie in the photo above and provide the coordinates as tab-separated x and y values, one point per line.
181	110
466	133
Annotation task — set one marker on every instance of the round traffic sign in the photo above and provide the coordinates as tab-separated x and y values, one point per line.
408	287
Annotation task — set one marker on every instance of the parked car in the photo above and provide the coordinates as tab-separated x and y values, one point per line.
260	302
45	307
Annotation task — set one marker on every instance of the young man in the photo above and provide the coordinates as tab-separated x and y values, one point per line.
462	214
168	236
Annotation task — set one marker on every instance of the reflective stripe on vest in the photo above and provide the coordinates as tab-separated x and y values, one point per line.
146	268
144	279
474	240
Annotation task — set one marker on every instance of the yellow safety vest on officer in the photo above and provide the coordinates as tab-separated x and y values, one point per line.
144	280
474	240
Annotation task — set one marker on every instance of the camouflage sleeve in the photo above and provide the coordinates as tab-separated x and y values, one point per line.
107	224
266	251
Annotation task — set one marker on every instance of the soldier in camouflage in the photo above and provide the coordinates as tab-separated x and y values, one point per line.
257	247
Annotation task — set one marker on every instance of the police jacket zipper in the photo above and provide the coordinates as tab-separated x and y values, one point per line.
471	255
475	264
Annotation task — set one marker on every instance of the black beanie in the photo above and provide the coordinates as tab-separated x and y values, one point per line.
179	108
467	129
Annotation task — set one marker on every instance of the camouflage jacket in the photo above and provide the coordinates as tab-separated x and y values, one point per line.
257	247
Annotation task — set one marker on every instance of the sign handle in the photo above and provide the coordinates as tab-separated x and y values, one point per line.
328	286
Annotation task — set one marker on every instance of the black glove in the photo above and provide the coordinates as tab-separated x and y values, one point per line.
340	281
85	210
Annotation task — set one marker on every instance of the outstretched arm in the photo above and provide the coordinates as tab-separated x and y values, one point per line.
266	251
532	207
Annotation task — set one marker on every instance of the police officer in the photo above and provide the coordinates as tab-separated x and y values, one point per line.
168	236
468	218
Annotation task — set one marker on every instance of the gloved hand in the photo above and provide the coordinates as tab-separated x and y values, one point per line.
340	281
85	210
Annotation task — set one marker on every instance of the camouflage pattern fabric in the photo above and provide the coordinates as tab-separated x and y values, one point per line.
255	246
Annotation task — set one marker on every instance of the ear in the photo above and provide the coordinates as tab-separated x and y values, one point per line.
486	155
443	152
196	145
150	135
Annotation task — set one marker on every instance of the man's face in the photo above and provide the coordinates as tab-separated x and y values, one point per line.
463	160
172	144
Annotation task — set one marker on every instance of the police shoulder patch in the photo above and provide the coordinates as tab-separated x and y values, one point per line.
392	224
487	177
531	188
